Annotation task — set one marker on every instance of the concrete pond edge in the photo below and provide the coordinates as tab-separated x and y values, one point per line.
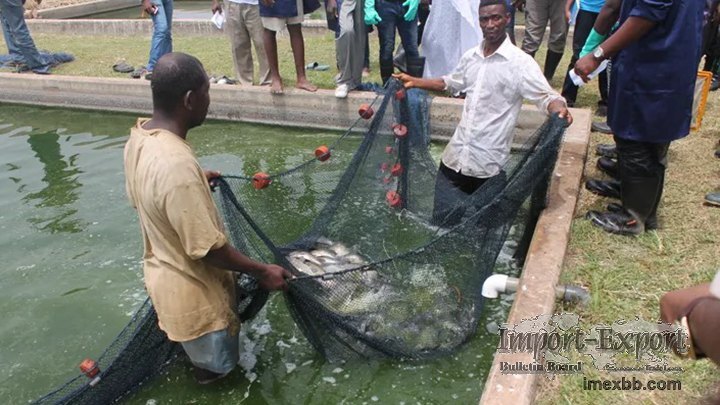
322	110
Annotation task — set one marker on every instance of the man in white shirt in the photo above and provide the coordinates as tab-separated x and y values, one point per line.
496	76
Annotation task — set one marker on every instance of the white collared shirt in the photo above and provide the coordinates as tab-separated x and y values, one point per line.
495	87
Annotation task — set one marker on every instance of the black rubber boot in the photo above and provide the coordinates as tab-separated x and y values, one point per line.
608	166
386	70
605	188
606	149
650	225
552	59
416	66
621	223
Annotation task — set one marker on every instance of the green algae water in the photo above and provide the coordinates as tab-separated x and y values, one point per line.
71	273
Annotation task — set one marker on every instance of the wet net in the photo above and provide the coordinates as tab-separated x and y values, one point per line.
381	269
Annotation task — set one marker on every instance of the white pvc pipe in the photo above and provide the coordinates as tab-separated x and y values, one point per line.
497	284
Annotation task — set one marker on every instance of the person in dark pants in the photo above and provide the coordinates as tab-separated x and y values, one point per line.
584	22
390	15
656	52
496	76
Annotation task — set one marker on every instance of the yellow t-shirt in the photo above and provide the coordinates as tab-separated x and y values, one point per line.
180	224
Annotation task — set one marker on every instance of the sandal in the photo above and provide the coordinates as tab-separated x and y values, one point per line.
122	67
138	73
316	66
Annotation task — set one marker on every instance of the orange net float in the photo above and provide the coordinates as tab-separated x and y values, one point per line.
396	170
322	153
90	368
400	95
366	111
400	130
260	180
393	199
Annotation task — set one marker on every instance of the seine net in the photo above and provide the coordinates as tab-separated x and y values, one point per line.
379	272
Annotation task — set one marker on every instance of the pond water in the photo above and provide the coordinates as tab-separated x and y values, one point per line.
71	273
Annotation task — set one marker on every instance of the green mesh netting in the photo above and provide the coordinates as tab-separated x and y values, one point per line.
377	274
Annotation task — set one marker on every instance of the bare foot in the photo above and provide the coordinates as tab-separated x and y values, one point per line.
366	72
276	87
304	84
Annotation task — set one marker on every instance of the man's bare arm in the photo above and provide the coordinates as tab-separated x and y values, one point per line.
270	276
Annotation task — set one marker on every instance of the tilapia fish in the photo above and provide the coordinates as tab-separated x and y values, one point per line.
324	258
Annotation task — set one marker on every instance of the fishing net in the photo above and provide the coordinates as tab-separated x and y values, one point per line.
378	271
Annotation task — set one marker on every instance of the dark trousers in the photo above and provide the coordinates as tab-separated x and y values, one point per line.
641	166
452	190
583	25
711	46
392	13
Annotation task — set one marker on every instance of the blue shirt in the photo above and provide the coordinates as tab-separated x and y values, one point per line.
592	6
652	83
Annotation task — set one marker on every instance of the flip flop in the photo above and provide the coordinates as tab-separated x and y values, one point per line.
138	73
122	67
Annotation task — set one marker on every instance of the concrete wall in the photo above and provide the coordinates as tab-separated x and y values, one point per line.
93	7
132	27
235	103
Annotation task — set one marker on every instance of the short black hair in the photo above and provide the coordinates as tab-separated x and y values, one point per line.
174	75
485	3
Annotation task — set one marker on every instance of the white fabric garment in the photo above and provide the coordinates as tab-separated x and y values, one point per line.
496	86
254	2
451	29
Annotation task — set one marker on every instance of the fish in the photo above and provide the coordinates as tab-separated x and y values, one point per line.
321	253
305	256
339	249
323	242
308	267
354	259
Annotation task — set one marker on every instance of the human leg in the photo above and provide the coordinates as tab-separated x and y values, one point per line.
298	49
239	42
556	40
19	35
254	26
13	50
451	193
161	42
409	37
270	42
641	167
388	11
536	19
583	25
350	46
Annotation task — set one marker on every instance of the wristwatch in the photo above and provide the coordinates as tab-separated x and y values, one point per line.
599	53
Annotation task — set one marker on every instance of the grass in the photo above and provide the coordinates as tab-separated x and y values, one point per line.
626	276
96	55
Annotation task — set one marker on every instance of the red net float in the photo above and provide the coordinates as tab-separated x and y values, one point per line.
384	166
400	130
389	150
366	111
396	170
90	368
393	199
400	95
322	153
260	180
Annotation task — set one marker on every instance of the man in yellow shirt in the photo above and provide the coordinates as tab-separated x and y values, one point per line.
188	263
